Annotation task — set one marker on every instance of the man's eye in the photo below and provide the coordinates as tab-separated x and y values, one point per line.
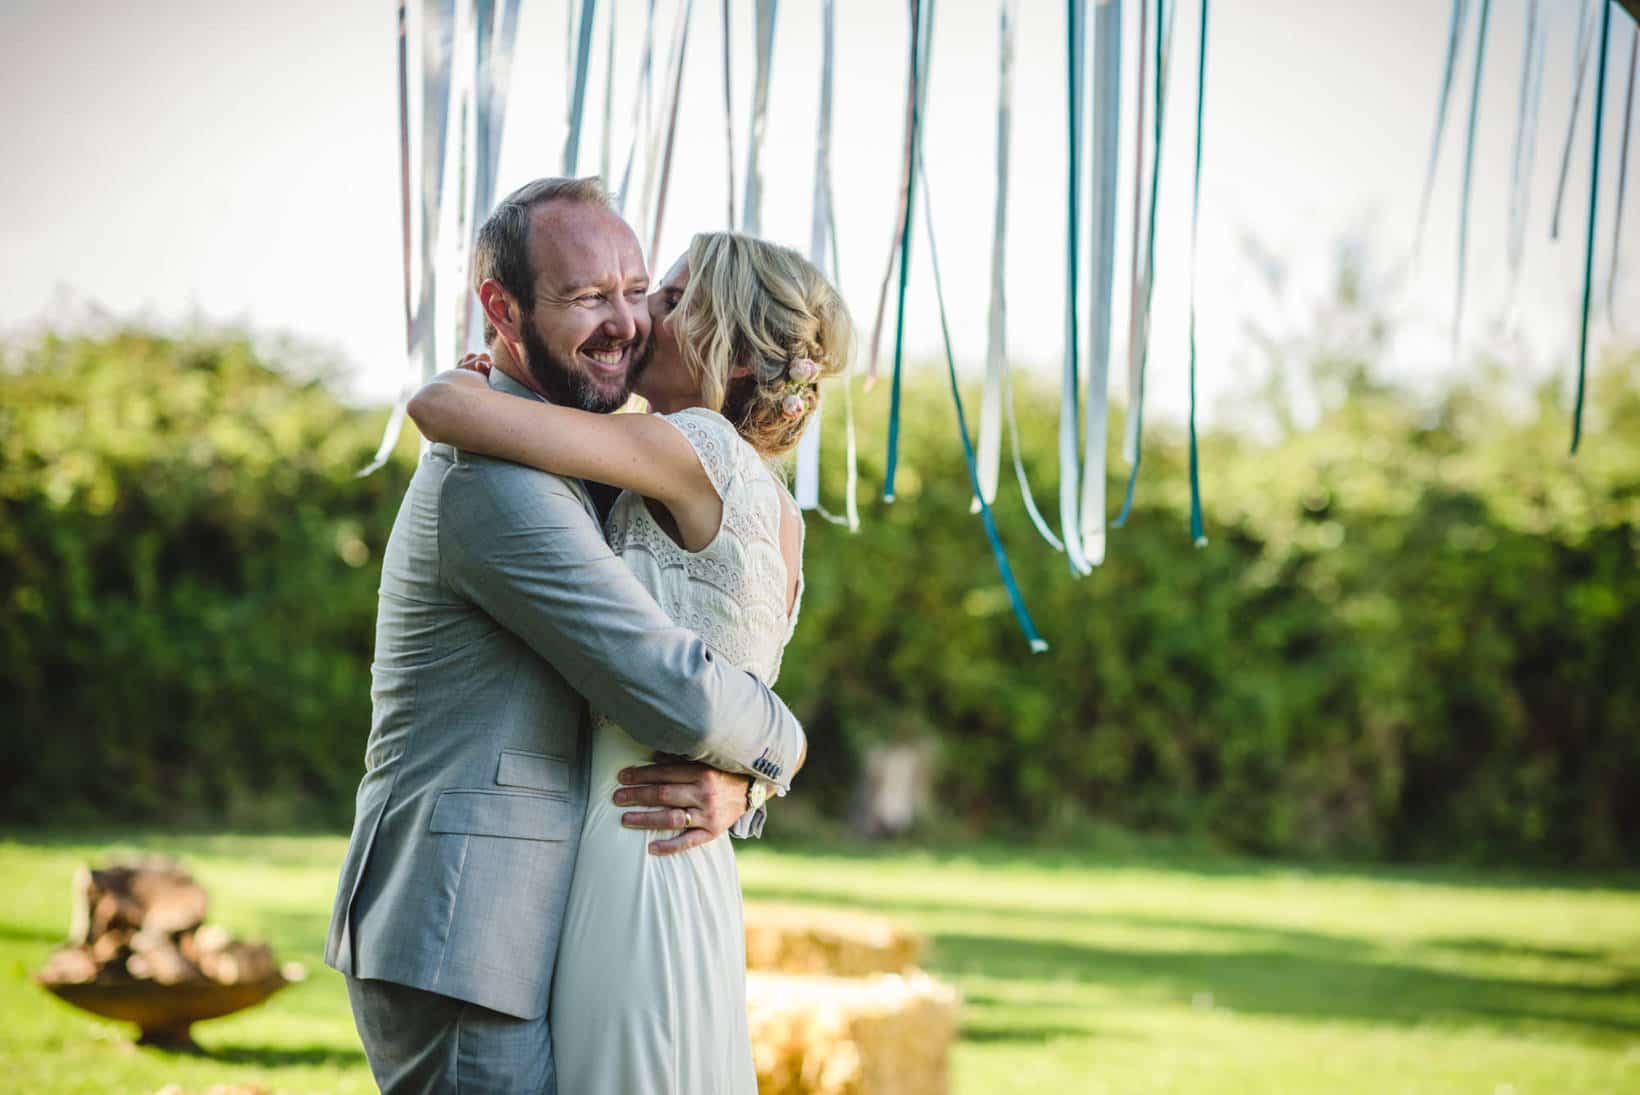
589	298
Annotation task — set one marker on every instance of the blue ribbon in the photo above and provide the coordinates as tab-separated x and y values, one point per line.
1038	644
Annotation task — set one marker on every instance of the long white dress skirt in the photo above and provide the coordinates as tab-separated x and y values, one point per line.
649	995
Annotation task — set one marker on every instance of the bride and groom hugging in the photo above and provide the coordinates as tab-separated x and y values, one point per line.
502	924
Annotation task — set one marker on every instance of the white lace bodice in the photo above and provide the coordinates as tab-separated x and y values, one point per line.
732	593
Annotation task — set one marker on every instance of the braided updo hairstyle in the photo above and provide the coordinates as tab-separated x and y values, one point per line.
756	304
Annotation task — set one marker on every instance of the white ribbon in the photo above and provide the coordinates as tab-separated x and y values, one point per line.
1070	523
666	136
751	217
808	448
437	28
1107	122
578	93
989	456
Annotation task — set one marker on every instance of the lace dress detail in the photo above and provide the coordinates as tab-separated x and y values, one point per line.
732	593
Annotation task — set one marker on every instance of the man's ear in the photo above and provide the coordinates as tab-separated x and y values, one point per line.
501	310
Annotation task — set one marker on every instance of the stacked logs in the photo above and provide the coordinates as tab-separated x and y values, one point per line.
838	1007
145	922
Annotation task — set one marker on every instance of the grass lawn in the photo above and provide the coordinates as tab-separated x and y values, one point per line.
1081	974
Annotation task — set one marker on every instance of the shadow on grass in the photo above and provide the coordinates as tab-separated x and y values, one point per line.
289	1056
1319	986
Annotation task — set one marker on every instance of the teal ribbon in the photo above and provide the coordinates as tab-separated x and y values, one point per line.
1197	533
1460	9
922	17
1137	409
1594	196
1469	172
1015	598
583	61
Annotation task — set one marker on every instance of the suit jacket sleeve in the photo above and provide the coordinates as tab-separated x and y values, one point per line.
522	546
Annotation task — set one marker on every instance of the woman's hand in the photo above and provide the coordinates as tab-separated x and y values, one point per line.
478	363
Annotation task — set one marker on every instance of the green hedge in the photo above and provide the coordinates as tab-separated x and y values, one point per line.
1411	636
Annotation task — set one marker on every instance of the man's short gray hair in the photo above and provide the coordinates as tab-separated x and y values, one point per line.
503	248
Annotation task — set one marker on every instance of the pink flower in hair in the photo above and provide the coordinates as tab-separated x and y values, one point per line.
803	371
792	407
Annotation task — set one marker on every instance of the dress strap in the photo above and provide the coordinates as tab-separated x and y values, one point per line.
715	442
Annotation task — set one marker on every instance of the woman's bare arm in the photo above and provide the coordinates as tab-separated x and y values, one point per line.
636	452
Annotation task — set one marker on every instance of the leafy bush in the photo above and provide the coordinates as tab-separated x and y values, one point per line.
1410	636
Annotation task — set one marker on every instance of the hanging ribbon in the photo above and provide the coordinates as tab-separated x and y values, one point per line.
729	110
808	448
751	218
437	34
680	46
640	109
915	96
1133	433
1197	533
1070	490
1520	176
1594	195
996	344
1136	407
1585	39
1469	173
1135	290
1622	180
922	15
1107	124
492	78
605	164
583	61
1460	12
851	481
1038	644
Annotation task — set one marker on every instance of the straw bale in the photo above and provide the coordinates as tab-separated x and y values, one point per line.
887	1034
794	939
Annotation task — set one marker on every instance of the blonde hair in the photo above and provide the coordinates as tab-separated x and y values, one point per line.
756	304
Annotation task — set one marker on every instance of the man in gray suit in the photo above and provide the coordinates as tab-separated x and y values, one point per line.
502	615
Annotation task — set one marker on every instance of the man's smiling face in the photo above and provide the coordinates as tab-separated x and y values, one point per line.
586	328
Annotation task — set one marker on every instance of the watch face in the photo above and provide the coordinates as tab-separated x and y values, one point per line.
756	794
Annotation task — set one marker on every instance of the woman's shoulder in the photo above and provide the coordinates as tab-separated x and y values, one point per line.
727	456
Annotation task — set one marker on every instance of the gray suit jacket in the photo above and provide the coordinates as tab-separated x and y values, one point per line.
502	612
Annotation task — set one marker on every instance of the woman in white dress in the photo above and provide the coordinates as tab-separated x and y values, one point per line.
649	996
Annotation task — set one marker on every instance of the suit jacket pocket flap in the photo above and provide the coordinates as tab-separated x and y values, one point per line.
537	771
504	813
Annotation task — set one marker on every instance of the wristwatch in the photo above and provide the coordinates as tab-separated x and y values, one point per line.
757	793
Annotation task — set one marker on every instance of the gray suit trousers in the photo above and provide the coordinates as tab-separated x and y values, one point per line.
421	1043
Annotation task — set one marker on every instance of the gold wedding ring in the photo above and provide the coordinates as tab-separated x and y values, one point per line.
688	820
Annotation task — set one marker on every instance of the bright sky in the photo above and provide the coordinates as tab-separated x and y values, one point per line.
238	160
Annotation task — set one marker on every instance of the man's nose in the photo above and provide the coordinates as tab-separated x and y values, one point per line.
623	319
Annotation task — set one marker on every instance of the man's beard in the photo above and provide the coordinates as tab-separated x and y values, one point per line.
564	384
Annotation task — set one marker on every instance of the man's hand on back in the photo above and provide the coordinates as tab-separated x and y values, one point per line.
700	800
